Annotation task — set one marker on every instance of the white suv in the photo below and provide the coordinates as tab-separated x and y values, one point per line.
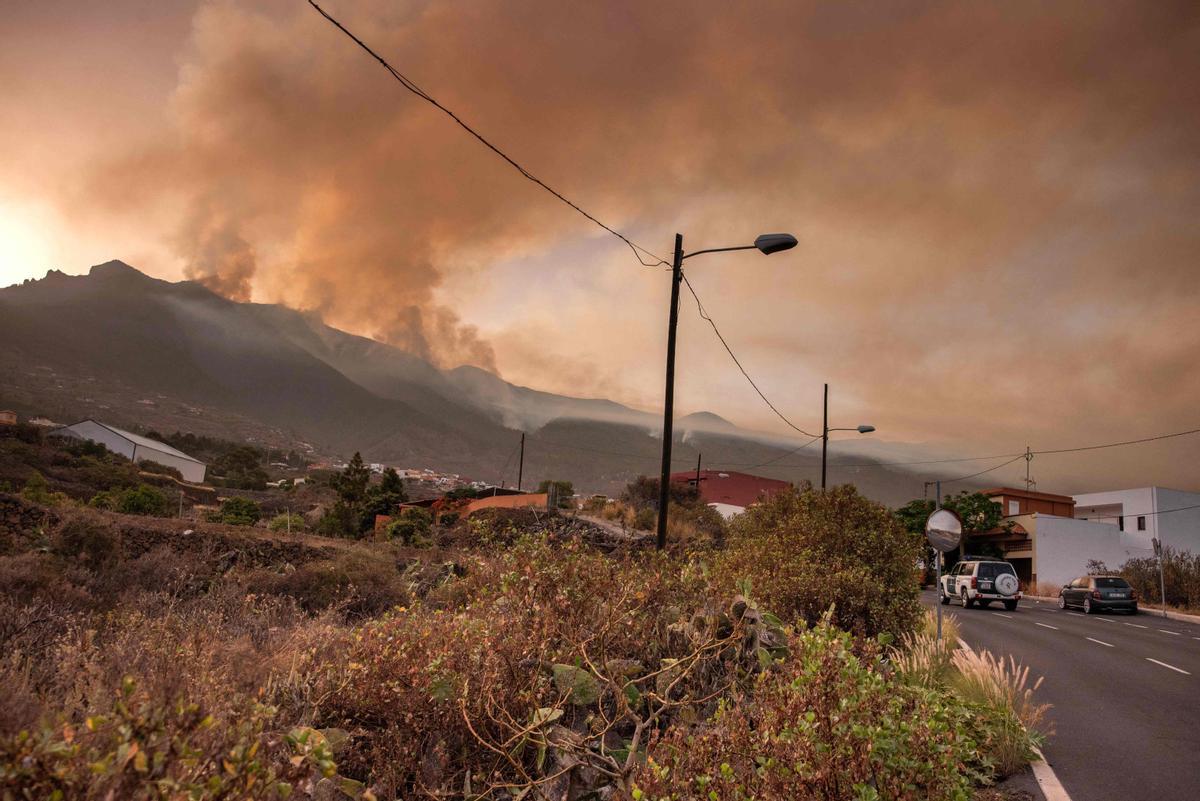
981	581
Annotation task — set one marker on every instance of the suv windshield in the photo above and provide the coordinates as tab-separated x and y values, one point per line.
1112	583
992	569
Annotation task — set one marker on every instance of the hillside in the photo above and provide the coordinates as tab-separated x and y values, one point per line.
145	353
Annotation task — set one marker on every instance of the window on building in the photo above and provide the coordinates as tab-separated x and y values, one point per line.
1121	523
1014	507
1141	522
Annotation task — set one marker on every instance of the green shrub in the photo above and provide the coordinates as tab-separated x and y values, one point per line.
237	511
645	519
806	550
413	526
150	466
140	500
37	490
286	521
364	584
829	724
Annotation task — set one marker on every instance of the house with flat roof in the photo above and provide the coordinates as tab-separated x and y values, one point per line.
1045	540
1147	513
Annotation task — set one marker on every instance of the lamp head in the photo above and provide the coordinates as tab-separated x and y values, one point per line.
865	429
773	243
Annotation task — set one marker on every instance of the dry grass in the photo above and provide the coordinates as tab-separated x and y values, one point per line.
1001	687
921	658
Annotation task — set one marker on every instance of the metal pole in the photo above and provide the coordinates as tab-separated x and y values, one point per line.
521	464
937	504
289	520
669	401
824	435
699	456
1162	581
181	504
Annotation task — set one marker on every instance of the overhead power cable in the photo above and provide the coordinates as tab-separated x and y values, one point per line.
729	350
408	84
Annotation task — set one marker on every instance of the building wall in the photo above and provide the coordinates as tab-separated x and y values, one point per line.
191	471
1178	530
1062	547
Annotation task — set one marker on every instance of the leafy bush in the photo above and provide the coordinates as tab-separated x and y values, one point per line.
154	467
805	550
412	527
237	511
37	490
140	500
827	724
286	521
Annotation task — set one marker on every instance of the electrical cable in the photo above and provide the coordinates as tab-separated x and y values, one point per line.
729	350
408	84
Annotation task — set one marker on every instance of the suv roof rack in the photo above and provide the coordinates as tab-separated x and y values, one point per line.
970	558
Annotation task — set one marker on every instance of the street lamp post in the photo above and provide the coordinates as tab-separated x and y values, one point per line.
767	244
825	429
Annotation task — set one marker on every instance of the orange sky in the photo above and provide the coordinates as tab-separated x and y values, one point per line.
996	202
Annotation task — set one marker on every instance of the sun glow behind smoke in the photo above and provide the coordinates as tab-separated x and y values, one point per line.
25	251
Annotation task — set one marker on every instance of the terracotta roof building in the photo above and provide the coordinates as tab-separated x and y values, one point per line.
731	492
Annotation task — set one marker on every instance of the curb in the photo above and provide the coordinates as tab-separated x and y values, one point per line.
1149	610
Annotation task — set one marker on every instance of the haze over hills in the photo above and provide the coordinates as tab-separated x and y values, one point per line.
141	352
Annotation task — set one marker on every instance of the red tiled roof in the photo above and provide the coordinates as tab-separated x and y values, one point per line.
735	489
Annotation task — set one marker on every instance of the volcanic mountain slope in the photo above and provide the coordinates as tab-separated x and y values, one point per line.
140	352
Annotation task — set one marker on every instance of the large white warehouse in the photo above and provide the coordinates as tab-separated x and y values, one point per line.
136	448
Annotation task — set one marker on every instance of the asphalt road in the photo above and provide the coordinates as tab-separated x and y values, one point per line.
1125	690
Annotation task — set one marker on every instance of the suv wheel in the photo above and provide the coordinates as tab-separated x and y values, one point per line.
966	599
1087	606
1010	606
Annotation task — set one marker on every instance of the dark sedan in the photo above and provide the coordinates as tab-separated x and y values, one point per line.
1097	593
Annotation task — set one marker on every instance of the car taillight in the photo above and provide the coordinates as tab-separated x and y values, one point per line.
974	582
1096	594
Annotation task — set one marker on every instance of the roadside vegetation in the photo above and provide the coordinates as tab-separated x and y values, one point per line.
506	657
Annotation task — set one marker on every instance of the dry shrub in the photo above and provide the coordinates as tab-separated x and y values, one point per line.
361	583
1013	723
828	723
805	550
447	692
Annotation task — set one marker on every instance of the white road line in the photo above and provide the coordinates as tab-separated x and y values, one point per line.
1010	617
1102	642
1106	620
1135	625
1048	783
1172	667
1176	633
1045	625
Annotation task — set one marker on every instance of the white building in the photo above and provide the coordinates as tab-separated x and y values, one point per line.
1172	516
135	448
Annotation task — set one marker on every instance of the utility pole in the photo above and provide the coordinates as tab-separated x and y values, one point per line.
1028	459
521	463
937	560
699	456
824	435
664	490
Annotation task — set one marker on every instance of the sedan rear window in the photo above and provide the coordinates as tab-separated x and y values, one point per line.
1112	583
993	569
